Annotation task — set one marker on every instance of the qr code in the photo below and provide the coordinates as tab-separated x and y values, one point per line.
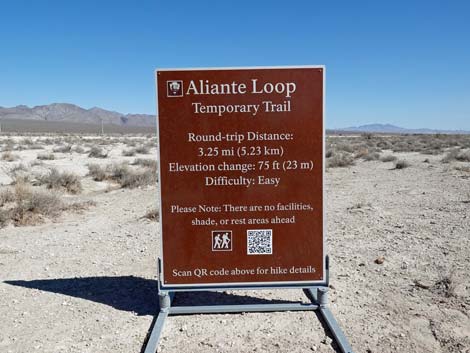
259	241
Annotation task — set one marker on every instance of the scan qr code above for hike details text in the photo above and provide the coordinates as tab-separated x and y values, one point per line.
259	241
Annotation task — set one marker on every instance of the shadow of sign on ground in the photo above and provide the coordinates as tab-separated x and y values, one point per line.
133	294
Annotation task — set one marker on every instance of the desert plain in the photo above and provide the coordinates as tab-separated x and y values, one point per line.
79	245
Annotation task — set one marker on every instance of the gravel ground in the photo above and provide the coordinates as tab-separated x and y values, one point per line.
400	258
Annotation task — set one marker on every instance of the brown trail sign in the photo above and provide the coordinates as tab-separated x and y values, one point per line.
241	159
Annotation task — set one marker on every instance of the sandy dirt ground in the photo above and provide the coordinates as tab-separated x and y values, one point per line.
85	282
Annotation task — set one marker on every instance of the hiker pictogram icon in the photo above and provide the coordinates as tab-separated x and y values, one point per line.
222	240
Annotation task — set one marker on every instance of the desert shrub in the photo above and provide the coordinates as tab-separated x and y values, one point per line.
9	157
46	156
63	149
340	160
97	172
56	180
130	143
456	155
4	217
151	144
432	150
367	135
78	149
19	172
401	164
118	171
129	153
6	195
142	149
32	205
329	153
451	156
97	152
48	141
463	156
374	156
153	215
465	169
384	145
345	147
388	158
361	153
26	141
146	162
8	145
122	174
138	178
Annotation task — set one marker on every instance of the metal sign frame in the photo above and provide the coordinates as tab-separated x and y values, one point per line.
244	285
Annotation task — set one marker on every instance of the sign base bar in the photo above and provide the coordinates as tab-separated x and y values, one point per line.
318	296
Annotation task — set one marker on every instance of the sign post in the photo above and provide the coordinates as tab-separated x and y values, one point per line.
241	170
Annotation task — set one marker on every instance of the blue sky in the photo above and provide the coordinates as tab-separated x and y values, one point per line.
401	62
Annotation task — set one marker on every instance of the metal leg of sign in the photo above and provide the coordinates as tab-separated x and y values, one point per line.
164	300
317	295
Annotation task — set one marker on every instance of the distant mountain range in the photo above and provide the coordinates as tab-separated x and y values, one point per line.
70	113
392	129
65	112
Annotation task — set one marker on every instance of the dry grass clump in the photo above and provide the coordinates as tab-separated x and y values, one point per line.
401	164
388	158
97	152
63	149
153	215
446	284
56	180
340	160
9	157
129	153
46	156
122	174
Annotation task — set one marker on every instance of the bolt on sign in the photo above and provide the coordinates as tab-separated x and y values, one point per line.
241	176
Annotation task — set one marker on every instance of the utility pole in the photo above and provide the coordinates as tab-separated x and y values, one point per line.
102	127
